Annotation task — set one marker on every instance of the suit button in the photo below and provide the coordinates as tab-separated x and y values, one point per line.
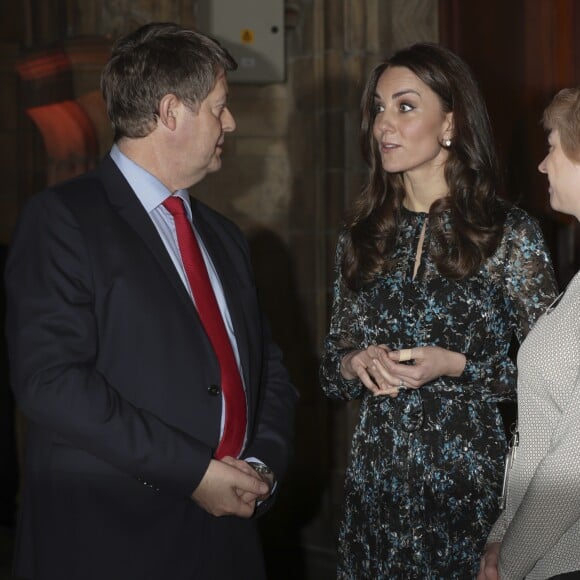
214	390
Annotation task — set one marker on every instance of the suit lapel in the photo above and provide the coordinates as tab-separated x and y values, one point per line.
127	204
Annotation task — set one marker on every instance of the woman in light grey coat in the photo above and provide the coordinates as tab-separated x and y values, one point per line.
537	536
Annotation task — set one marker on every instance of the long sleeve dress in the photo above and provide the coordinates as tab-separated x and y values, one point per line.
426	468
540	526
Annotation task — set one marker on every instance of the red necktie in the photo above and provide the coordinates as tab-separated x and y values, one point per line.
211	318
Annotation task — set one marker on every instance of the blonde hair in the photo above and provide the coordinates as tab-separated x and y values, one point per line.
563	115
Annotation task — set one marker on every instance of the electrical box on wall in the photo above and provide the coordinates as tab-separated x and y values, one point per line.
252	31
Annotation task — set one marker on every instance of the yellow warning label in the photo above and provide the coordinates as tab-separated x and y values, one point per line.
247	36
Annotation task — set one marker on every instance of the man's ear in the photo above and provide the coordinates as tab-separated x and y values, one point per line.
168	106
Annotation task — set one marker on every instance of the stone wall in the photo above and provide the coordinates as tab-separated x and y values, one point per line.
289	172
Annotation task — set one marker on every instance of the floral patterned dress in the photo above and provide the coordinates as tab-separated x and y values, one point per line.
426	468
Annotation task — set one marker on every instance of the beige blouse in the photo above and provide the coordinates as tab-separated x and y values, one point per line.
540	526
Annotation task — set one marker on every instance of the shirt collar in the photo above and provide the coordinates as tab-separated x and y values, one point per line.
148	189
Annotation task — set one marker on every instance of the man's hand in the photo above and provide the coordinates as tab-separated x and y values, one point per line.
489	560
268	479
246	467
230	489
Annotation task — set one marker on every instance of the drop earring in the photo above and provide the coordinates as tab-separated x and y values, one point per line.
447	142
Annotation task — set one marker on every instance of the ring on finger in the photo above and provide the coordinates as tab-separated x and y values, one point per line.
402	385
405	354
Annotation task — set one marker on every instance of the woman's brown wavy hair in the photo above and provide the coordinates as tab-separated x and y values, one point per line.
471	172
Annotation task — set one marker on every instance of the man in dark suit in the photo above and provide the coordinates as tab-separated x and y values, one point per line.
160	416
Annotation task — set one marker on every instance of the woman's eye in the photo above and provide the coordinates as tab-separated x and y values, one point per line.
405	107
379	108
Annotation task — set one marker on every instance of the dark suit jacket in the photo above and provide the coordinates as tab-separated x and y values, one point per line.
111	366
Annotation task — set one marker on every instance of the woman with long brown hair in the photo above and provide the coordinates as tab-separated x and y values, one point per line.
435	275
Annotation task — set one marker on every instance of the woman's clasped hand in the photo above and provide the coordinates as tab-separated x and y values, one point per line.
381	371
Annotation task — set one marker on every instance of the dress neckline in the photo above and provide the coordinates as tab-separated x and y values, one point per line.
410	212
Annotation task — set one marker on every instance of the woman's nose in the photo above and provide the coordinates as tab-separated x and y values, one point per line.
542	166
384	122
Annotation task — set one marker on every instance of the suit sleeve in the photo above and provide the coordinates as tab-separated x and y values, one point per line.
274	431
53	347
